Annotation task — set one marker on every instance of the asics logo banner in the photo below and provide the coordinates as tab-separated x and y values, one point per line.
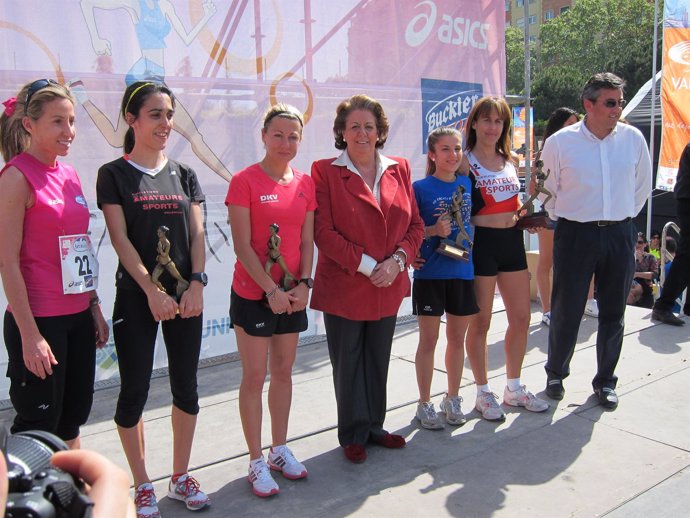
452	31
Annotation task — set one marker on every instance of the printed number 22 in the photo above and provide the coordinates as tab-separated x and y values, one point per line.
84	267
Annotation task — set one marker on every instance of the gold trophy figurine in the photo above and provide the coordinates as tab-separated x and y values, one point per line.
527	218
165	263
274	257
448	247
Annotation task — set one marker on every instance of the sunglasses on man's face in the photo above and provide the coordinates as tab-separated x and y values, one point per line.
612	103
34	87
640	242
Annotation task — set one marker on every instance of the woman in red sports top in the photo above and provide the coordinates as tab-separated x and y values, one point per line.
498	254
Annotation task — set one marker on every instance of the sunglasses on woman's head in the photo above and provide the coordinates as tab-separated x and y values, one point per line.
34	87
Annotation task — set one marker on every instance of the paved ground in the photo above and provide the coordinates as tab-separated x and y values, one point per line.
573	460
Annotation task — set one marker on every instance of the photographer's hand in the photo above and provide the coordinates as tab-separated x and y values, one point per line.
109	485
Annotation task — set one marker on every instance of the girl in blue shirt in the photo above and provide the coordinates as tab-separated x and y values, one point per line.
441	283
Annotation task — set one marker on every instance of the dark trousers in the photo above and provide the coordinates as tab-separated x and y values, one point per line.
135	332
581	250
60	403
679	274
360	354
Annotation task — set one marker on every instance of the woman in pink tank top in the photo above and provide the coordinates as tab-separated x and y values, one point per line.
54	322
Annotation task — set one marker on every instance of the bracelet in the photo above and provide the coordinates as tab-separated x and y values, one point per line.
95	301
270	294
401	262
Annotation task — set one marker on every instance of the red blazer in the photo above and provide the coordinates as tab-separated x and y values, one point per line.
348	223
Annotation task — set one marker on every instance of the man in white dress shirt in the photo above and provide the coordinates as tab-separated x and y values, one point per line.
601	176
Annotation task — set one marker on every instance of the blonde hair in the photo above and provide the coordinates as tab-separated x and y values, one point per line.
14	139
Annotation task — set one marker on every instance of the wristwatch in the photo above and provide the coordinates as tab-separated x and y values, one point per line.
200	277
308	281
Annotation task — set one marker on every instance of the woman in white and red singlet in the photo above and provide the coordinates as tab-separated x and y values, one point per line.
498	254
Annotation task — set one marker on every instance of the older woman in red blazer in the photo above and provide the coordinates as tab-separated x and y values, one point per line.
367	229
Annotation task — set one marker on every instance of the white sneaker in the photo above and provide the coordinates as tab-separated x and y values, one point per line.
187	490
523	397
592	308
487	404
282	459
450	406
427	416
145	501
261	480
546	318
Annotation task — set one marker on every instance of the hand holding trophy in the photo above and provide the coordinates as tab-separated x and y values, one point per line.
274	257
448	247
165	263
527	217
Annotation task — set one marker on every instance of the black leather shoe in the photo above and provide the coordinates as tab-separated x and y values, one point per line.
554	389
607	397
667	317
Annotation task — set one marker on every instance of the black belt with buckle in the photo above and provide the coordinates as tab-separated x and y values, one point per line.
601	222
607	222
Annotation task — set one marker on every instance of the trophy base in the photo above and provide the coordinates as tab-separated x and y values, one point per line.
449	249
536	220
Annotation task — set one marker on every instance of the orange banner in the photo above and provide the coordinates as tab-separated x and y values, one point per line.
675	99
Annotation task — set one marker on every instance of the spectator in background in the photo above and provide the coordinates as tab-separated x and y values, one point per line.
559	119
655	244
646	273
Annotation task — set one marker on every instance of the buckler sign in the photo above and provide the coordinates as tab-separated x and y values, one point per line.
446	103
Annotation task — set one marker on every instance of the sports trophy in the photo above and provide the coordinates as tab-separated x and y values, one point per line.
274	257
165	263
448	247
527	217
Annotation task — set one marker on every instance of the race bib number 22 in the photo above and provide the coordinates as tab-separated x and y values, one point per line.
79	264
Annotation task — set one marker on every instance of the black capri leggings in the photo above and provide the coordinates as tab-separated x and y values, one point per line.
61	403
134	331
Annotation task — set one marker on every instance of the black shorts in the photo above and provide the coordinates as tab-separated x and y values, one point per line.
257	319
431	297
498	250
61	403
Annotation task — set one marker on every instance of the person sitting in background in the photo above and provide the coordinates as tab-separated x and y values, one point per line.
655	244
646	272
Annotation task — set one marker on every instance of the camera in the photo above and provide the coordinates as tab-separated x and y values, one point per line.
37	489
